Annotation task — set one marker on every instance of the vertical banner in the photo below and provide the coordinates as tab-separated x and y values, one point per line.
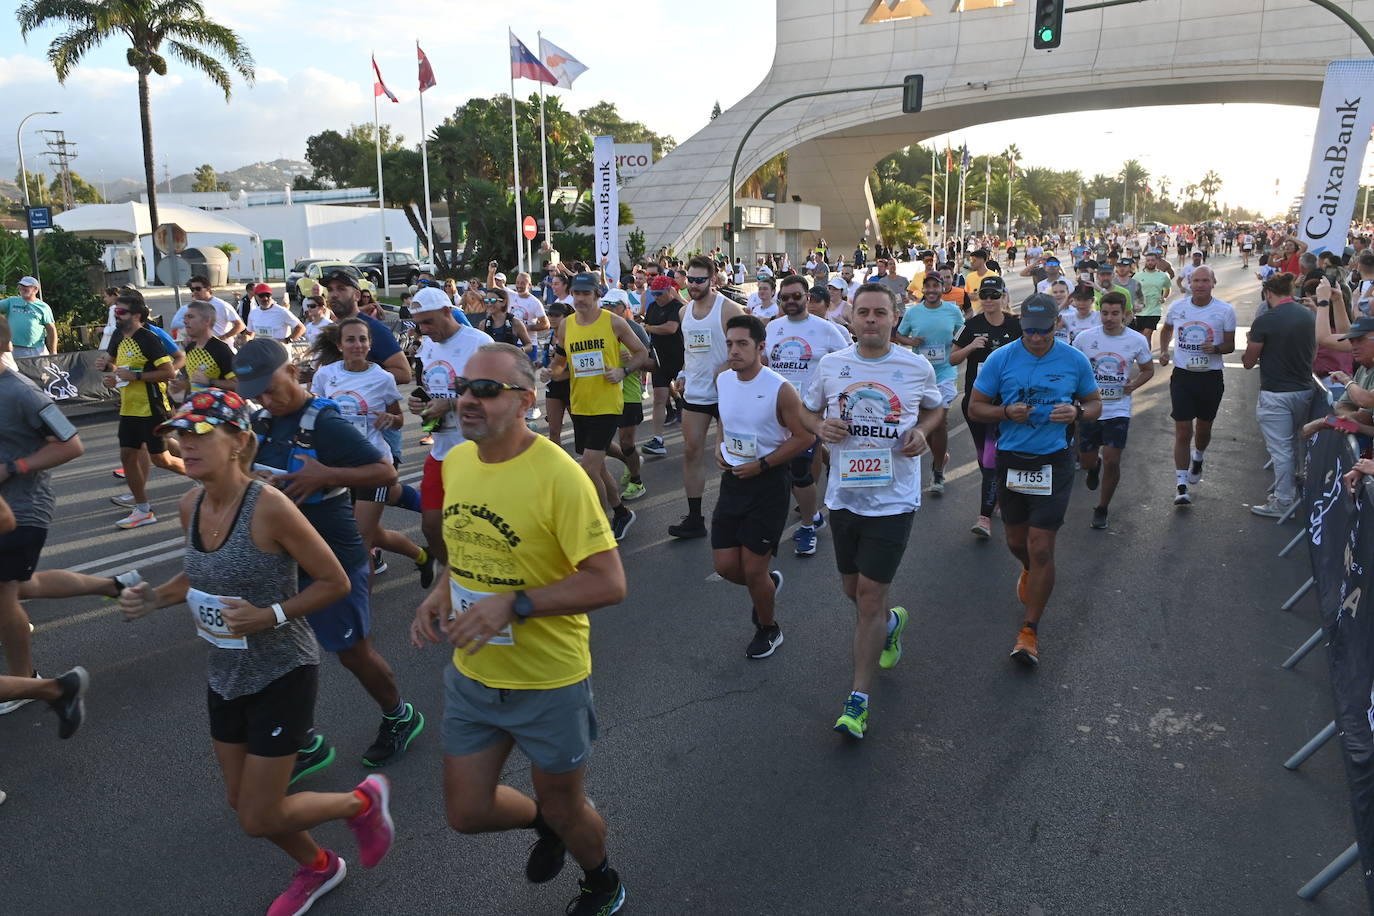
607	207
1338	146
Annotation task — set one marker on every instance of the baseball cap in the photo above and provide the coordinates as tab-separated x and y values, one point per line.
584	281
660	283
500	276
1197	254
993	284
1127	261
210	408
429	299
27	281
615	297
1154	251
1361	326
1052	260
255	363
819	293
1038	312
1104	268
262	288
837	283
341	276
1086	264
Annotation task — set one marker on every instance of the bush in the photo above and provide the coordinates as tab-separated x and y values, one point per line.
71	273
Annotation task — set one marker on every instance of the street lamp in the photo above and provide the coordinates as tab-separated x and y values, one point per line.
24	178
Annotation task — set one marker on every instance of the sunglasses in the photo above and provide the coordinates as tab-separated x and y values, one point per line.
197	289
123	312
791	297
1037	332
490	299
698	279
483	388
986	295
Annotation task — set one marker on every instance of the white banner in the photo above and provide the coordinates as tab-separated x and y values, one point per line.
607	208
632	159
1338	147
1102	208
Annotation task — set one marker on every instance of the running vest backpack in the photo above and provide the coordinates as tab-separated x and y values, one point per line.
503	334
302	445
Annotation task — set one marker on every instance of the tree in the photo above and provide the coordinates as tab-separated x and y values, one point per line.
229	249
1210	186
190	36
36	185
207	180
715	110
895	223
602	119
769	177
83	192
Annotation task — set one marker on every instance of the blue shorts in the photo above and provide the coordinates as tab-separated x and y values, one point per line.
1094	434
554	728
340	625
393	442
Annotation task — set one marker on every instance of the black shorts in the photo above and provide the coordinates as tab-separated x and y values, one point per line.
632	415
1094	434
711	409
751	513
664	373
559	390
1196	395
369	494
1043	512
1145	322
19	552
275	721
137	432
870	545
594	432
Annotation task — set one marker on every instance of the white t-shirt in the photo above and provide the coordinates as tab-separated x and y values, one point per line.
527	308
1195	325
756	308
275	322
1074	325
441	363
224	317
763	270
313	328
880	400
739	274
361	396
1115	359
795	348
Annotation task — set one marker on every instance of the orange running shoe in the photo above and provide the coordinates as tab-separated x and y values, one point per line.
1027	650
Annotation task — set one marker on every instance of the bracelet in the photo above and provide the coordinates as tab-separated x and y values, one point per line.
280	615
1005	414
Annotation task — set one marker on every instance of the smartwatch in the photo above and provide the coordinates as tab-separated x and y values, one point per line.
763	464
523	606
138	375
280	615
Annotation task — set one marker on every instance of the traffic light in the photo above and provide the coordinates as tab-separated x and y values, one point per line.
912	88
1049	24
729	228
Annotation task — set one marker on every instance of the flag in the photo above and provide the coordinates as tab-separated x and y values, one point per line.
949	159
524	65
426	71
560	63
379	87
964	164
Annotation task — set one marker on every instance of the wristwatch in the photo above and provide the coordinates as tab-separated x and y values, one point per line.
280	615
1079	408
523	606
763	464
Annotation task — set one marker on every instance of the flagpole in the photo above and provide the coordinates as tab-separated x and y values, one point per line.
944	202
381	191
1011	173
515	156
544	157
987	194
931	240
424	165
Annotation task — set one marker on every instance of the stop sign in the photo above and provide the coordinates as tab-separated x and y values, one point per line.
531	230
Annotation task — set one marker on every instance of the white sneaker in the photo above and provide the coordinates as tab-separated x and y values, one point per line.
1195	471
124	500
1274	508
1183	499
136	519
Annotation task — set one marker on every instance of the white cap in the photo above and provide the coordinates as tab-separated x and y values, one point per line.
429	299
501	277
838	283
616	297
27	281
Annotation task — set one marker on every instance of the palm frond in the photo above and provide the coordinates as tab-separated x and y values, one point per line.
197	59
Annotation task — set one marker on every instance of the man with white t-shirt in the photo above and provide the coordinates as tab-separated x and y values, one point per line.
877	403
761	304
1187	271
1116	352
443	356
270	320
795	344
227	325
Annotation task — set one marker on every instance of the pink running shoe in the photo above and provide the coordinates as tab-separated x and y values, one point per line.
374	830
307	886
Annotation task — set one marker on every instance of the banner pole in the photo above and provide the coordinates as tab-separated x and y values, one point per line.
381	191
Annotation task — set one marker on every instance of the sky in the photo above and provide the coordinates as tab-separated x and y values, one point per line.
308	82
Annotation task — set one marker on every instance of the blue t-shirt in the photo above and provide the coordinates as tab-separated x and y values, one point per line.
937	329
1011	375
166	338
384	345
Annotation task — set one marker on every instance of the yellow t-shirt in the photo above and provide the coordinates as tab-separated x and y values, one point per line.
593	350
141	351
522	524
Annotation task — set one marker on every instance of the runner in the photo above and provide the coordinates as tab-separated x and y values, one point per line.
1115	352
209	360
762	304
763	428
1155	285
929	328
1033	389
617	302
1080	316
268	319
795	344
556	392
877	403
244	542
1206	331
530	555
1182	279
703	334
663	321
315	456
225	321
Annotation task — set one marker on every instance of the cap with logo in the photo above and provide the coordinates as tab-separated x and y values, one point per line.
584	282
1360	327
994	286
1038	313
429	299
660	283
255	363
341	276
210	408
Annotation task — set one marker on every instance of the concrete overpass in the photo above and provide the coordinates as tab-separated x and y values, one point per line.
979	68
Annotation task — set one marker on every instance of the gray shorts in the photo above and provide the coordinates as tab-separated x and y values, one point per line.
554	728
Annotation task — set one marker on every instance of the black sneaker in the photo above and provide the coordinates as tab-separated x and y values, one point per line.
589	902
1195	472
620	524
426	570
546	858
1099	517
393	737
765	642
378	562
312	758
1094	474
691	526
71	706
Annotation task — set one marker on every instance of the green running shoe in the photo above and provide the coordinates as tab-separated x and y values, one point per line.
854	720
632	490
892	649
318	755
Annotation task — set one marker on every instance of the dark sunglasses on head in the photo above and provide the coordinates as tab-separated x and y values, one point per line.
698	279
483	387
791	297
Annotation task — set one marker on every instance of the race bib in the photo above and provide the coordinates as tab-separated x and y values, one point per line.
935	354
360	422
207	612
1110	392
865	467
699	340
463	598
1034	483
119	382
741	445
590	363
1199	361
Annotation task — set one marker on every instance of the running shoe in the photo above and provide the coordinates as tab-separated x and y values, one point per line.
1021	584
937	484
313	758
654	446
620	524
1027	650
1195	472
805	539
1094	475
426	570
819	521
426	439
691	526
624	478
633	490
10	706
1274	508
776	576
373	828
982	528
590	902
71	705
136	519
1183	498
765	642
118	472
673	417
547	855
124	500
393	737
854	720
379	565
892	648
307	886
1099	518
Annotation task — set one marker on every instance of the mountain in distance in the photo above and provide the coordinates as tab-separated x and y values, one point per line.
259	176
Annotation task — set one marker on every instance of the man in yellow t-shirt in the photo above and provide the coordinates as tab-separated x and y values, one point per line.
530	553
979	269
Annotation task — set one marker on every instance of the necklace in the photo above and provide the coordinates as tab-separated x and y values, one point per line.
223	516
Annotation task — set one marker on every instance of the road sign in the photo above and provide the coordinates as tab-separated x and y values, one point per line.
40	217
169	238
174	270
530	228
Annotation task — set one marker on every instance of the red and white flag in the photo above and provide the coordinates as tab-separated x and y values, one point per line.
379	87
426	71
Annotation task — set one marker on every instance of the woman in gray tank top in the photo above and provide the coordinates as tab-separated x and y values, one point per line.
244	541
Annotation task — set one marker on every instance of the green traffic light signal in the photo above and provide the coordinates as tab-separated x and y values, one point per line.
1047	35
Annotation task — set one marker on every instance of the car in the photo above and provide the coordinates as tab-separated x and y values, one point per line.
297	271
316	270
402	267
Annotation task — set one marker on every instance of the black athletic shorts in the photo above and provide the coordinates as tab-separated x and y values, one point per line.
632	415
1043	512
19	552
711	409
137	432
275	721
559	390
1145	322
751	513
594	432
1196	395
663	374
870	545
1094	434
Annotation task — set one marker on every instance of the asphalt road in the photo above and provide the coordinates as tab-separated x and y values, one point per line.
1137	771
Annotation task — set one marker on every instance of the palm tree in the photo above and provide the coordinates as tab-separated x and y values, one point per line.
147	24
773	172
1209	186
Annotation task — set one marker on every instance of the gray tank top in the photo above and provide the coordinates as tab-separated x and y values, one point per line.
239	569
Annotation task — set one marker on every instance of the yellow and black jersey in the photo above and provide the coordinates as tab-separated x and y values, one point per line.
215	359
141	351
